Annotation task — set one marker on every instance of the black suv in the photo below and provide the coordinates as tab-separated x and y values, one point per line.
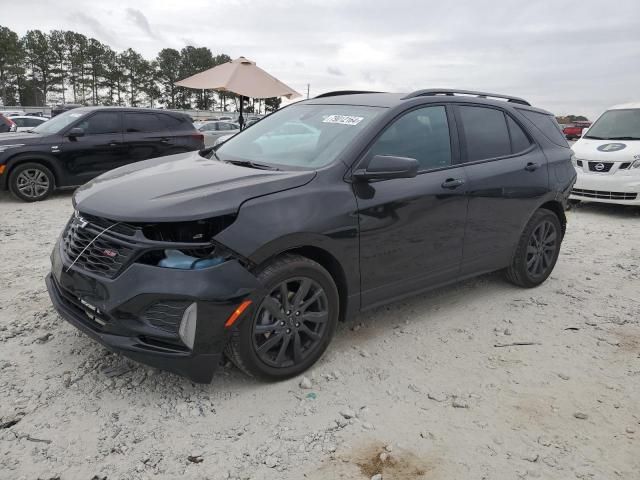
259	250
82	143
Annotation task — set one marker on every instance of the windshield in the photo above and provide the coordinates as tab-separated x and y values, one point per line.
307	136
617	125
59	122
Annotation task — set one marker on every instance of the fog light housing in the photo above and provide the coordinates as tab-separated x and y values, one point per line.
187	330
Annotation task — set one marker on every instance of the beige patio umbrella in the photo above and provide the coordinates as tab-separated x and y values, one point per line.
240	76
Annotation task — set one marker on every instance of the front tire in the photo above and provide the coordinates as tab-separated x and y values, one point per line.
291	325
537	251
31	182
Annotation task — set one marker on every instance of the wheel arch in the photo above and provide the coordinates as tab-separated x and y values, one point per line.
556	207
329	262
40	158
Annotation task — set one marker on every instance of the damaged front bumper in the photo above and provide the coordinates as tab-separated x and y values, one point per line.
139	313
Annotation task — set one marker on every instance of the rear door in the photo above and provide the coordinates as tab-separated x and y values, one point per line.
411	229
148	135
507	178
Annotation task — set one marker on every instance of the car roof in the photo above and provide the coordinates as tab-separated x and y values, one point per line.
624	106
29	117
388	100
127	109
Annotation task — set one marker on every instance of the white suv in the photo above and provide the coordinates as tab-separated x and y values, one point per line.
607	158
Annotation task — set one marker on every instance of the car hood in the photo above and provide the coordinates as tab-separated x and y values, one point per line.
180	187
21	137
607	150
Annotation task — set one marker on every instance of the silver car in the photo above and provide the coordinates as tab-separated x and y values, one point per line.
214	129
27	122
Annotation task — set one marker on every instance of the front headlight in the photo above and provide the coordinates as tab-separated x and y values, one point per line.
577	162
4	148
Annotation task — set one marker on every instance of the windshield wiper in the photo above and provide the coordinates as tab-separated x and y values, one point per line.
624	138
596	138
250	164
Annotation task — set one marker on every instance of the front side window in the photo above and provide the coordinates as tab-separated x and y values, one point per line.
328	131
422	134
101	123
485	132
617	125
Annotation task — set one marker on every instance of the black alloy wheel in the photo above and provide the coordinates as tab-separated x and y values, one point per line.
290	326
290	322
541	249
537	251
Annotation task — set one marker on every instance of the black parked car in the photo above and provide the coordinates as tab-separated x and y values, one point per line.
80	144
261	249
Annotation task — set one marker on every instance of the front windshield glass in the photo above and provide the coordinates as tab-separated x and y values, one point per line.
617	125
59	122
303	136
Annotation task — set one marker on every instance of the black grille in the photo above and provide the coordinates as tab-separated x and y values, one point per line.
103	256
166	315
604	195
600	167
625	165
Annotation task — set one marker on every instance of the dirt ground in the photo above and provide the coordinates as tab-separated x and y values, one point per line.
427	382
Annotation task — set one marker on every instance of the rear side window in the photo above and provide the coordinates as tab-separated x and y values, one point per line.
486	133
101	123
143	122
519	140
170	122
547	125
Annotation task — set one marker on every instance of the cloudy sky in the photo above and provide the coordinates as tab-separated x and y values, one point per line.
569	57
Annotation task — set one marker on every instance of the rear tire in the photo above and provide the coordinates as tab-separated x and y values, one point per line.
31	182
291	325
537	251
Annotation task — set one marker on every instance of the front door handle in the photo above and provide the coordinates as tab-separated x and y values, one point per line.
452	183
165	139
531	167
114	144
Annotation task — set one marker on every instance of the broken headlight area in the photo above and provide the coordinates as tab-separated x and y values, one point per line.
187	258
187	245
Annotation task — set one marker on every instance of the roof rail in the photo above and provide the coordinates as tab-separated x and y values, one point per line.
342	92
431	92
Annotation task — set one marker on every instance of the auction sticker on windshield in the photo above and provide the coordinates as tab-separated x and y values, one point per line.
342	119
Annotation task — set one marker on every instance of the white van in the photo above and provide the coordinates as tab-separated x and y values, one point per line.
607	158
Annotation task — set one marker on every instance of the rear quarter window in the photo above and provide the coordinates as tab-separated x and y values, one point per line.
547	125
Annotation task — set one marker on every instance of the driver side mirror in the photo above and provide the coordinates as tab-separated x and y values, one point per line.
385	167
76	132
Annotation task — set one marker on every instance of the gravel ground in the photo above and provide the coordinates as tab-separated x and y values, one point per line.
424	388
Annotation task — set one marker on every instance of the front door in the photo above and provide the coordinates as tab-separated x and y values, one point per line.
98	150
411	229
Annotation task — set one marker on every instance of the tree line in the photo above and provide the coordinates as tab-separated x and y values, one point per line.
68	67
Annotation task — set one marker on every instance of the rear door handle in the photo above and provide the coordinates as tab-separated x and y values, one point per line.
532	166
114	144
165	139
452	183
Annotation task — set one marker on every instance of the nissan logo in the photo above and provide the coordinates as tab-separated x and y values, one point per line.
599	166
